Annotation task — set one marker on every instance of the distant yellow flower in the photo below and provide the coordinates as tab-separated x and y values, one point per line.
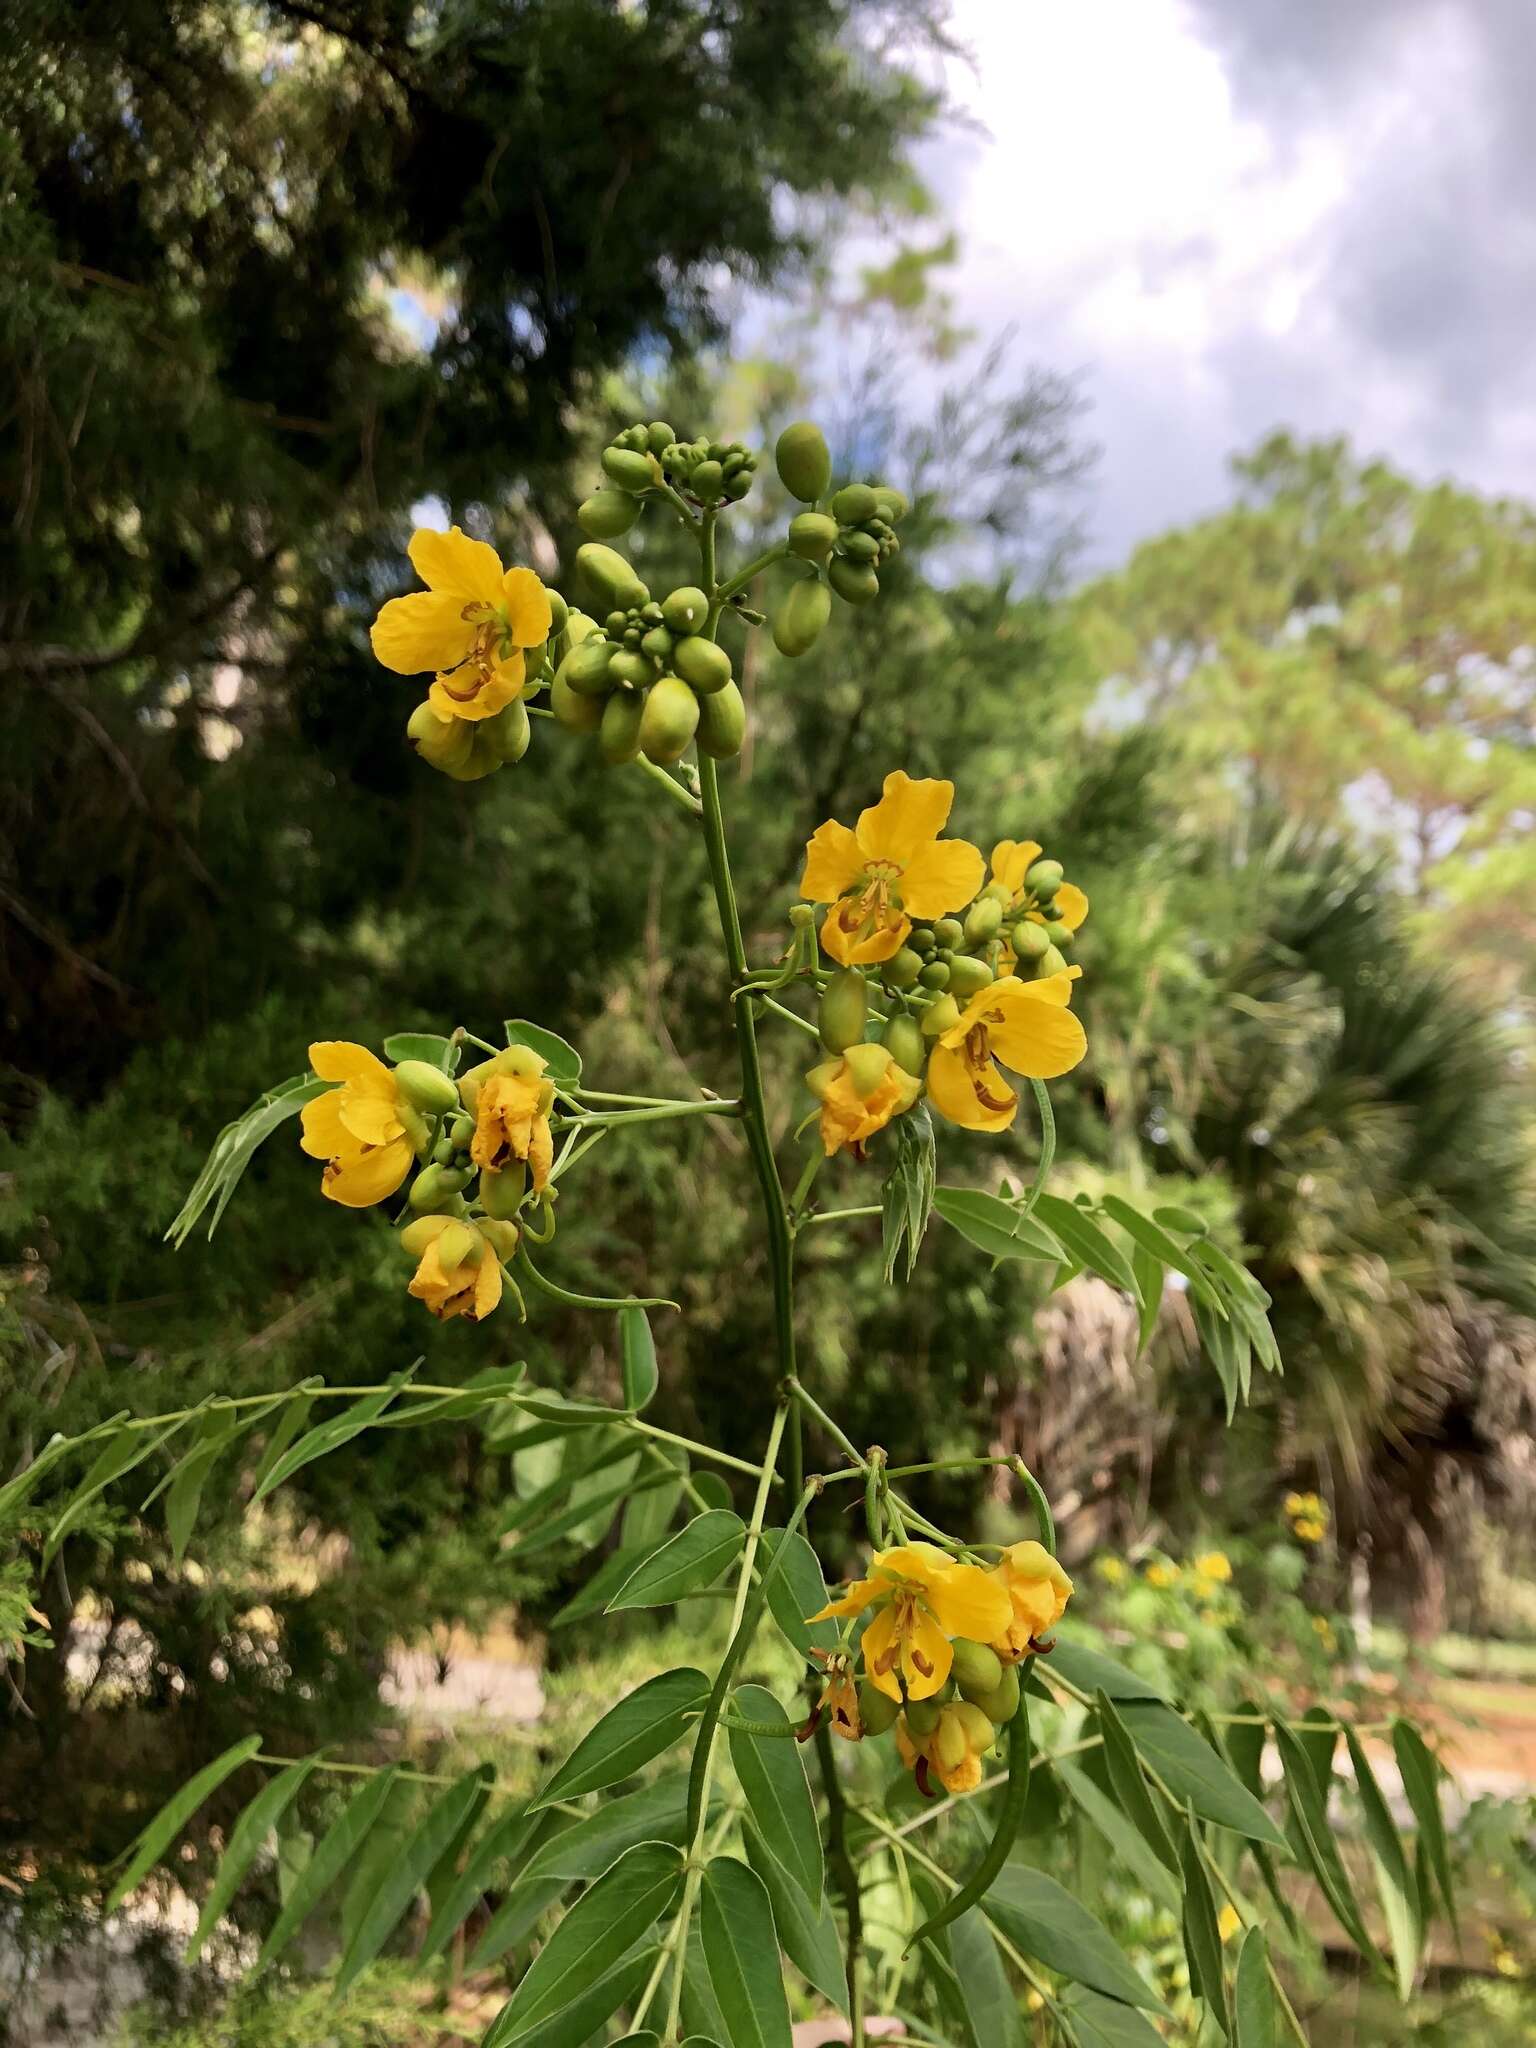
860	1092
1162	1575
1038	1591
1026	1025
1214	1565
890	868
1110	1569
358	1128
1228	1921
921	1597
511	1107
459	1273
953	1749
1309	1529
472	624
1323	1628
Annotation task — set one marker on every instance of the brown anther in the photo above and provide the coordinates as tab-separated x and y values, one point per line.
922	1663
804	1733
920	1773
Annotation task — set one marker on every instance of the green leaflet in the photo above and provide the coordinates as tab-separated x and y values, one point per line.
1313	1836
1421	1784
742	1952
1253	1996
563	1061
407	1872
1194	1773
809	1938
1046	1922
246	1840
997	1227
990	2004
153	1840
1202	1933
329	1435
331	1857
637	1357
234	1148
777	1791
1395	1887
693	1558
1126	1841
796	1590
636	1728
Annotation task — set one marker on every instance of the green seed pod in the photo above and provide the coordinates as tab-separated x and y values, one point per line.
968	976
799	619
708	480
618	732
804	461
576	714
658	643
559	612
935	974
585	668
659	435
983	921
425	1087
440	741
854	582
483	759
501	1194
1029	940
722	723
607	514
922	1717
812	536
941	1015
685	610
1045	878
669	721
1002	1702
877	1710
854	504
703	664
903	1040
509	731
860	547
460	1131
629	470
844	1007
631	667
609	577
434	1184
1051	962
501	1237
976	1669
949	931
890	504
902	969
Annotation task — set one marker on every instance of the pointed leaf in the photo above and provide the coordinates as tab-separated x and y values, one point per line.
437	1051
246	1841
777	1791
693	1558
295	1417
329	1435
636	1728
152	1841
1098	2022
797	1589
184	1493
121	1452
1131	1787
638	1358
407	1874
648	1517
808	1937
505	1842
604	1582
1088	1244
1194	1773
1202	1933
1253	1996
1394	1880
332	1857
1128	1844
1314	1837
1152	1239
1150	1281
563	1061
995	1226
1046	1922
1091	1671
655	1813
742	1952
990	2004
1421	1784
584	2020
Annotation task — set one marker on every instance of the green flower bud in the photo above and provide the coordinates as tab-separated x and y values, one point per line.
1029	940
1002	1702
949	931
860	547
708	480
935	974
921	938
426	1087
1052	913
877	1710
685	610
483	759
968	976
890	504
434	1184
812	536
1045	878
501	1194
509	731
618	732
703	664
722	724
737	487
1174	1218
1050	962
941	1015
607	514
659	435
903	1040
923	1718
854	582
669	721
799	619
440	741
559	612
854	504
804	461
1061	938
844	1008
658	643
609	577
902	969
585	668
461	1131
629	470
802	916
442	1153
631	668
983	921
576	714
976	1669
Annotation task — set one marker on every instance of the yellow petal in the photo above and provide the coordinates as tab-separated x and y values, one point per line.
833	863
322	1134
849	949
926	1656
907	817
1034	1037
338	1059
968	1601
423	631
526	603
541	1154
882	1653
858	1596
467	570
368	1118
487	1285
953	1094
915	1564
1072	904
1011	861
941	876
474	693
357	1180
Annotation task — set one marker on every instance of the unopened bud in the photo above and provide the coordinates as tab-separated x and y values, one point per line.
630	471
983	921
868	1066
940	1016
854	504
685	610
950	1742
935	975
1002	1702
877	1710
607	514
922	1717
501	1237
456	1243
812	536
1045	878
804	461
976	1669
902	969
501	1194
434	1184
968	976
903	1040
975	1727
1050	962
844	1007
802	916
1029	940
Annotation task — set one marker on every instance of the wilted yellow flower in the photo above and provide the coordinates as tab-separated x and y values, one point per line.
860	1091
839	1699
1025	1024
1323	1628
459	1273
890	868
511	1101
953	1749
921	1597
1038	1591
1214	1565
357	1128
472	624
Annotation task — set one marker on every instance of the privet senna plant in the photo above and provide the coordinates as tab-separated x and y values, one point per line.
681	1870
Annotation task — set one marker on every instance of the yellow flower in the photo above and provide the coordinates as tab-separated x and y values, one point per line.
467	1282
1309	1529
1011	861
1038	1591
1111	1570
1214	1565
890	868
1162	1575
358	1128
1228	1921
860	1092
954	1748
471	624
1027	1025
512	1105
921	1597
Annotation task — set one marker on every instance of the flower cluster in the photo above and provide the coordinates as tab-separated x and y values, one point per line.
969	959
1307	1514
940	1649
482	1146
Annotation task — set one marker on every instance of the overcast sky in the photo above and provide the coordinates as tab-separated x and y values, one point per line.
1229	215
